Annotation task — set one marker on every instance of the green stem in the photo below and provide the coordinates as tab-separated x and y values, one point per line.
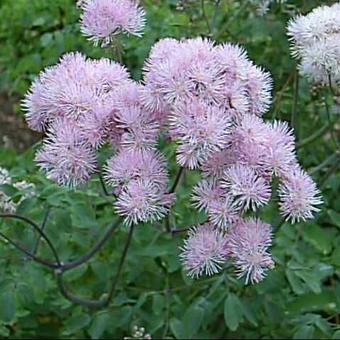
333	158
335	140
94	250
28	253
294	118
205	16
102	182
177	179
38	230
231	18
213	21
100	303
313	137
43	225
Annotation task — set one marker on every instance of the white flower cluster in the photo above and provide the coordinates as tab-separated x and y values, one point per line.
138	333
316	43
26	190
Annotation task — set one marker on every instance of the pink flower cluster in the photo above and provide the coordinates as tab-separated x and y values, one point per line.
82	104
214	98
209	99
102	20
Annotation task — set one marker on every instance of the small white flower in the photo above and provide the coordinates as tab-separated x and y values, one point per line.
316	43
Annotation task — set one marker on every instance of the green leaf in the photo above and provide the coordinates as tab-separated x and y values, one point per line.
311	279
335	217
8	189
83	215
336	335
323	325
232	312
46	39
311	302
248	312
295	282
320	238
7	306
177	328
75	323
99	324
304	332
192	320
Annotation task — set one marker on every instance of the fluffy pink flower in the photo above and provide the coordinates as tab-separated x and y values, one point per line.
143	201
248	189
73	88
204	251
205	193
65	156
129	165
218	162
200	130
259	86
94	125
299	196
102	20
248	245
224	211
280	150
140	126
249	143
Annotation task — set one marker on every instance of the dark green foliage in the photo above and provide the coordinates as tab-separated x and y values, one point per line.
300	299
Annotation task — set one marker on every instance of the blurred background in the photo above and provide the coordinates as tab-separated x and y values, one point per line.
299	299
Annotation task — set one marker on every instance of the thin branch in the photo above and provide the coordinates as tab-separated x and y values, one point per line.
29	254
74	298
294	118
205	16
313	137
101	302
230	20
121	264
328	173
178	231
335	140
95	249
102	182
213	20
167	224
279	95
177	180
43	225
37	228
330	85
332	158
167	306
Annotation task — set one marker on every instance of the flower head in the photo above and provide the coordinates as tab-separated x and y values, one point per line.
65	156
224	211
74	88
248	189
248	245
143	201
201	130
280	154
129	165
315	42
299	196
205	193
204	251
102	20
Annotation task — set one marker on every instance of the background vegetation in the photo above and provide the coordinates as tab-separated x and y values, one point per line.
299	299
